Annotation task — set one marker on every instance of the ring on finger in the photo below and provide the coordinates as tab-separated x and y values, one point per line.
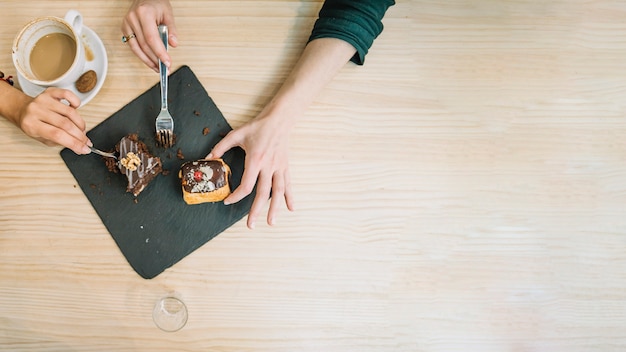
126	38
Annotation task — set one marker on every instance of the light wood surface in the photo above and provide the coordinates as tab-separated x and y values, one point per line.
463	191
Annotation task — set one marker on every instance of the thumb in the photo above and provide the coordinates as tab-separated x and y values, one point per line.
172	31
228	142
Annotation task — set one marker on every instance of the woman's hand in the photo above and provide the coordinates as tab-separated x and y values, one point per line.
142	20
47	119
265	140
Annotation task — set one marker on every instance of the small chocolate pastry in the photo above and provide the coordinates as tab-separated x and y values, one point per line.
204	181
87	81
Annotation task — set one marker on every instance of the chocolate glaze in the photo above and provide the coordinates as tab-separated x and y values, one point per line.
212	176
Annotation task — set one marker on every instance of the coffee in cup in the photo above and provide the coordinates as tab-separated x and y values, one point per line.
48	51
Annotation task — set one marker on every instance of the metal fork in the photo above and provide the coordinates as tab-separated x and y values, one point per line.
164	122
100	152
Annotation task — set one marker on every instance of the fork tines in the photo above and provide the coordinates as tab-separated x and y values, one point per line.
165	138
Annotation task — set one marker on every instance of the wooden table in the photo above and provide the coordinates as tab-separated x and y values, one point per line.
463	191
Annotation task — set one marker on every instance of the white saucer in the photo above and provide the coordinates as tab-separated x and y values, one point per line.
99	63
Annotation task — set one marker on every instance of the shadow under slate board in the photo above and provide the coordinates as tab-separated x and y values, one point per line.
158	229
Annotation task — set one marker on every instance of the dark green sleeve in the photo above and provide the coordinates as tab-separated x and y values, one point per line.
357	22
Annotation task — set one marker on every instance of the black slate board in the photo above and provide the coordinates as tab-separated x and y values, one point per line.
158	229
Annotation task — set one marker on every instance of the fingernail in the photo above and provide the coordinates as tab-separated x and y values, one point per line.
227	202
174	40
85	150
89	143
252	226
271	222
210	156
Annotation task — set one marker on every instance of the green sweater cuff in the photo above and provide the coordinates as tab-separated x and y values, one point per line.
357	22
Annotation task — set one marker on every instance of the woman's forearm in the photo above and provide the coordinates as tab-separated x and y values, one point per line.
319	63
12	102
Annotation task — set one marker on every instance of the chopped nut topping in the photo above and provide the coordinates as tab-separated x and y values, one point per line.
131	161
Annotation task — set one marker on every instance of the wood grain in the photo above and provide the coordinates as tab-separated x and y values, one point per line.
462	191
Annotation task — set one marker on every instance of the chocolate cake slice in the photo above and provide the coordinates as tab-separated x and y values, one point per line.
136	162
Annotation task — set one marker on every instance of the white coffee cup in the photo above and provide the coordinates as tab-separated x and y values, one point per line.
62	66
